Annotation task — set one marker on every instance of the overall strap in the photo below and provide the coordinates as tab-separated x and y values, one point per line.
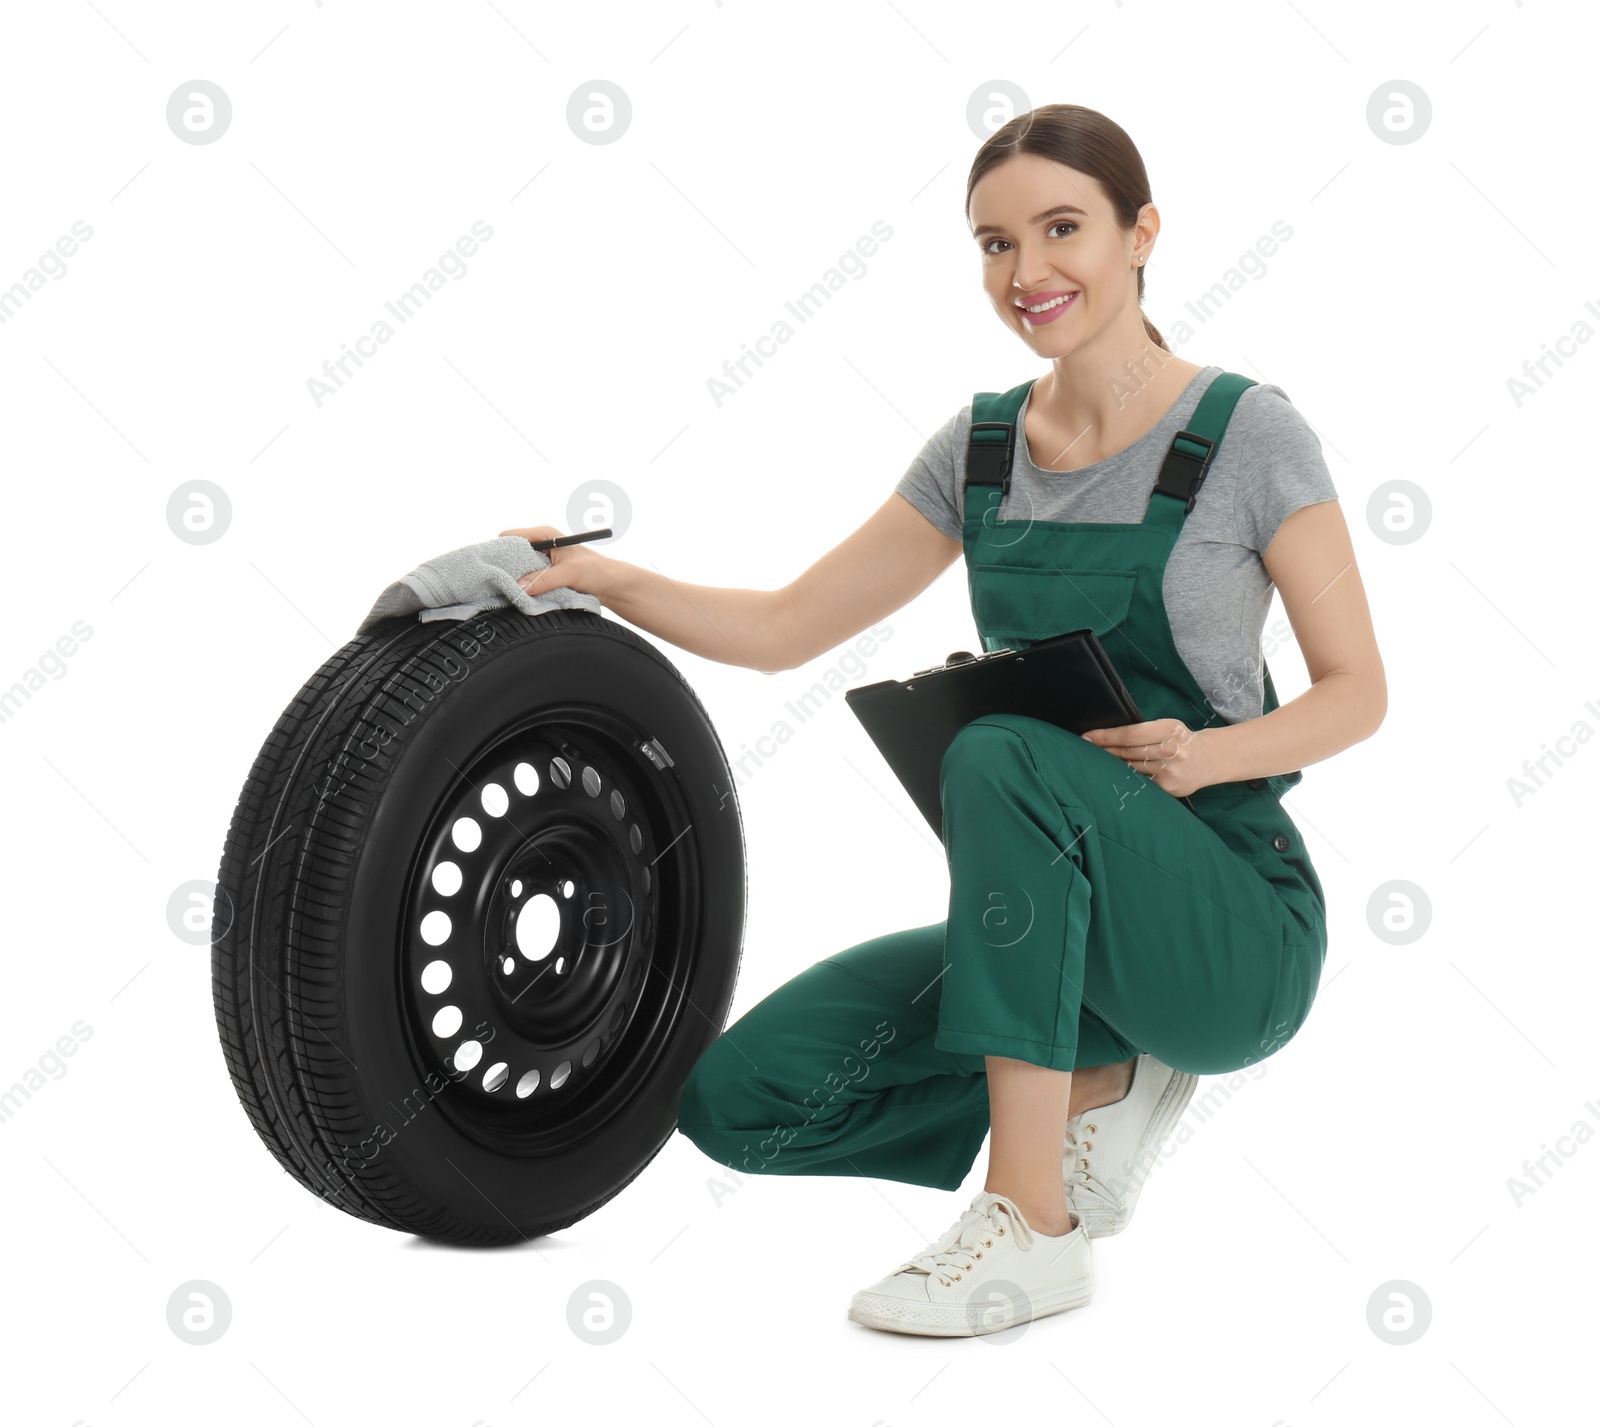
1189	457
993	443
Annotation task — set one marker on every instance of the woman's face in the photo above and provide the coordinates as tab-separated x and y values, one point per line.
1046	231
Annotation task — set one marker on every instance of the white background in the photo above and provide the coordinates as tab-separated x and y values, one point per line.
765	141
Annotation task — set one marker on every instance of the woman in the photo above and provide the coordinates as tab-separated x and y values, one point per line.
1105	942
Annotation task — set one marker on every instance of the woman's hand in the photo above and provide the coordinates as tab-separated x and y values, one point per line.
1174	755
577	567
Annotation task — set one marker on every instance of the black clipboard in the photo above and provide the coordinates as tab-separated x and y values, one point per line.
1067	680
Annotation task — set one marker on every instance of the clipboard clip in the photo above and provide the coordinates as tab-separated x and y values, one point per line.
960	657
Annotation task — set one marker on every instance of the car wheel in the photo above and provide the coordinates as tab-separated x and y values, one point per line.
479	911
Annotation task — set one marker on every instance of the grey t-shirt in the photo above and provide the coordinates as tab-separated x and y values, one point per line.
1216	589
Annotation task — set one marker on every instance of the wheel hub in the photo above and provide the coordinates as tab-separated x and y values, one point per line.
560	923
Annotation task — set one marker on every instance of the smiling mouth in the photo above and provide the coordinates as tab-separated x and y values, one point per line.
1047	311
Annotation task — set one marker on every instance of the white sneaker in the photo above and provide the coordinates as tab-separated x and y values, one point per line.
1110	1151
989	1271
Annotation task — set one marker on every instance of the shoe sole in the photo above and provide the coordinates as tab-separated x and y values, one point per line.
1169	1109
952	1320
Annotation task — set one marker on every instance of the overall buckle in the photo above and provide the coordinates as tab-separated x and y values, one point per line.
1183	472
989	462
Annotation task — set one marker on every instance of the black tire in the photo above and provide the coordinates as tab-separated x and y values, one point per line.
322	925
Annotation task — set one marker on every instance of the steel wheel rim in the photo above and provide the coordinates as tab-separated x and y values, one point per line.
563	946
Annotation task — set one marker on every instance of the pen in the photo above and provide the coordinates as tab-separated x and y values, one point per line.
571	539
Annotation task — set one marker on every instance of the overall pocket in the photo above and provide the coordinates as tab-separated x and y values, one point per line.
1011	603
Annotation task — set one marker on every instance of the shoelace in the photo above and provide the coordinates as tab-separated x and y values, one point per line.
963	1243
1080	1175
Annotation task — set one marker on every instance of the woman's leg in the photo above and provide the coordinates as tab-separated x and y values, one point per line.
1097	1085
1092	916
836	1072
1028	1110
1028	1113
1080	894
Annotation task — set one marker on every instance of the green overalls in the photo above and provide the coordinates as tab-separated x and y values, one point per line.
1092	915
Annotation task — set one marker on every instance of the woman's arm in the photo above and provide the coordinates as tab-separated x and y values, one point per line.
1313	565
895	555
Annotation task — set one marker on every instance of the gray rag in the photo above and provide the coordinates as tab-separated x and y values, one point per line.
474	578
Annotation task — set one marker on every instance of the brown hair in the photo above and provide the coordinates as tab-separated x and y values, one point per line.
1085	140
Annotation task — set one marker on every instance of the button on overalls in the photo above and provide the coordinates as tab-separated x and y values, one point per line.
1092	915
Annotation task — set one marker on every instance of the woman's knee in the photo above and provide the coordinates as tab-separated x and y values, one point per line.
703	1104
706	1093
1019	741
979	751
728	1113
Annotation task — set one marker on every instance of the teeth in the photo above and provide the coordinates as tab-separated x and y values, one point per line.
1054	302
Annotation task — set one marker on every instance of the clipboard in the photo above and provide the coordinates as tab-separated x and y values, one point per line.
1067	680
